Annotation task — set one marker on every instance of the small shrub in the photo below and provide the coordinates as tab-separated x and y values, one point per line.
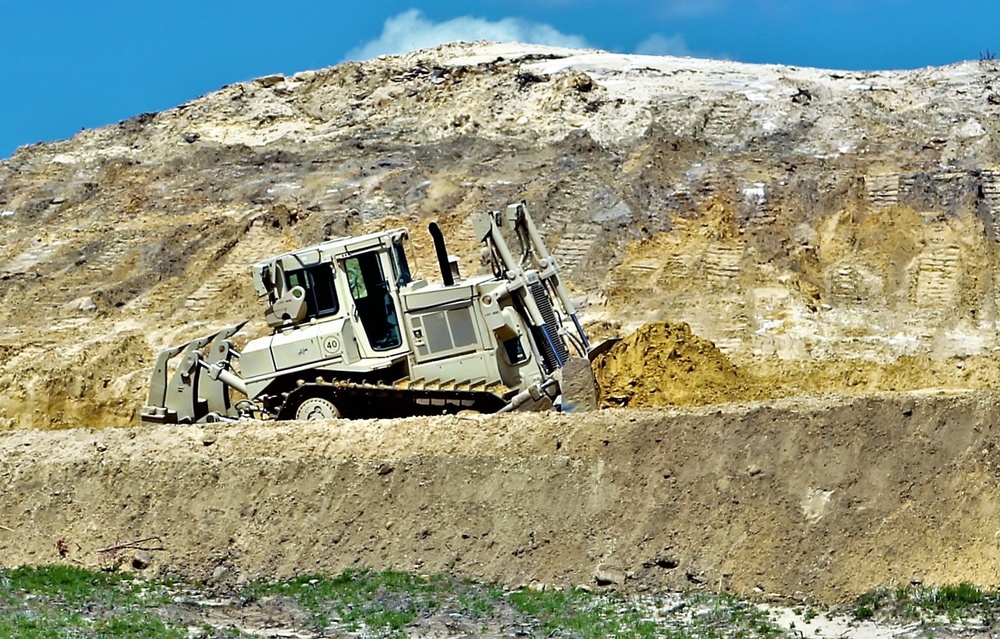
964	595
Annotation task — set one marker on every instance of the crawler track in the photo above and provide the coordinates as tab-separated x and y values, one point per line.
403	399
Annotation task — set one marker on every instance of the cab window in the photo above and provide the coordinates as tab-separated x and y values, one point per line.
321	293
400	266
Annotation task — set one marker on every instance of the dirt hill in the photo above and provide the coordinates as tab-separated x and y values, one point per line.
802	220
788	232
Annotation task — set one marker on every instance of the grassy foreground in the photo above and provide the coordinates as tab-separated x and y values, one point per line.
62	601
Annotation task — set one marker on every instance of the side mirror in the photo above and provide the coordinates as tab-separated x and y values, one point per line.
265	278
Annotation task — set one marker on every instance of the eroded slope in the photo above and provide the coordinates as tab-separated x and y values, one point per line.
831	226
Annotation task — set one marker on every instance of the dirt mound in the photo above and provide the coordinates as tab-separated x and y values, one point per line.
664	364
823	498
667	364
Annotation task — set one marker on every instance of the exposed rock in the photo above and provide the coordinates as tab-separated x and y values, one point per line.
270	80
220	575
142	559
609	575
80	305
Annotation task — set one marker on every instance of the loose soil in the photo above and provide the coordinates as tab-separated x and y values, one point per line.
664	364
819	498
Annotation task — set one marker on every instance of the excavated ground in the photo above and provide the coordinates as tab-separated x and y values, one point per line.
818	498
823	243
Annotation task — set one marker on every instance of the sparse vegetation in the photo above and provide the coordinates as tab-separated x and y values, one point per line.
64	601
384	602
581	614
718	616
961	604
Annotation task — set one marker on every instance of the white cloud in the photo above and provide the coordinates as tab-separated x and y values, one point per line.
657	44
410	31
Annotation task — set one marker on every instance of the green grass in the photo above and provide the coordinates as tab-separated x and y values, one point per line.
67	583
724	616
581	614
953	603
380	602
65	601
383	604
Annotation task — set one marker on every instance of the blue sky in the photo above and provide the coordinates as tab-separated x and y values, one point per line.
66	65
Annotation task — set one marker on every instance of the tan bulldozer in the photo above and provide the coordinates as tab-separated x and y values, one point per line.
354	335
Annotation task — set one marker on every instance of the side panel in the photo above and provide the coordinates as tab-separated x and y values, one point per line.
295	348
431	296
474	368
315	342
255	358
469	332
443	332
329	344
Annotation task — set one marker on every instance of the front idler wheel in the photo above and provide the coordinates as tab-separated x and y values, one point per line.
317	408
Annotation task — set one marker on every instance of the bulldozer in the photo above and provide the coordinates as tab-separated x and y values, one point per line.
355	335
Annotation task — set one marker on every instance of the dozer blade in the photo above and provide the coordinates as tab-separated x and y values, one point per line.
602	348
577	386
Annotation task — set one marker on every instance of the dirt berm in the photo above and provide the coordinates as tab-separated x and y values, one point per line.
665	364
824	496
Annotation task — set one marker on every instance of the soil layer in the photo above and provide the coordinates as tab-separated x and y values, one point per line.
822	498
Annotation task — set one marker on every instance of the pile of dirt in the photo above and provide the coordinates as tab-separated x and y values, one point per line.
818	498
665	364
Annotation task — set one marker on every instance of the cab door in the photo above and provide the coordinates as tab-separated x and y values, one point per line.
375	307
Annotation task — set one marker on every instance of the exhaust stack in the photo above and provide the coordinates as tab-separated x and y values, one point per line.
447	264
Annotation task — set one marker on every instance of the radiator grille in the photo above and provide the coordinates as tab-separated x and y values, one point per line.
552	359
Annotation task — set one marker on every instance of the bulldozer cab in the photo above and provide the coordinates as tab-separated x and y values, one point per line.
355	280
